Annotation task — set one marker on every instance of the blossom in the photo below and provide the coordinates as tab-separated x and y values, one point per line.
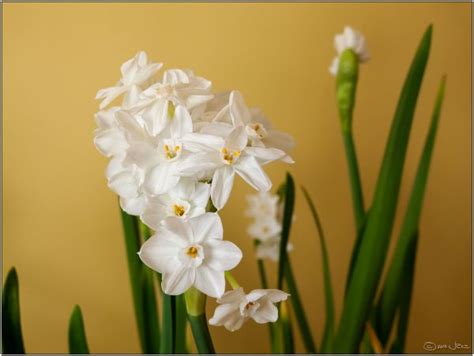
191	252
187	199
227	156
269	248
349	39
264	228
127	184
262	204
236	307
134	72
109	138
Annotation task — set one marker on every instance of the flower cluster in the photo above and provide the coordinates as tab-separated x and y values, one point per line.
265	209
175	148
349	39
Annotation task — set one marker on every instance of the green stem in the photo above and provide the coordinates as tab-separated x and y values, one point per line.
232	281
196	308
356	186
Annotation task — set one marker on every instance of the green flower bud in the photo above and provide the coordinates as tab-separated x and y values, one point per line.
346	83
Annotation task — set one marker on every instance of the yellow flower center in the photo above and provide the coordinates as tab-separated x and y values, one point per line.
229	156
192	252
179	210
171	152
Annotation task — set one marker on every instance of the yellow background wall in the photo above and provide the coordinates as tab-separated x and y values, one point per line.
61	226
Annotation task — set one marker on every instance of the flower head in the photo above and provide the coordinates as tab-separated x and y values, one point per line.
349	39
191	252
236	307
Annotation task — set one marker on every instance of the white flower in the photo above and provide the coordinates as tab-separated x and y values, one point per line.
187	199
128	185
259	129
349	39
178	88
270	248
191	252
109	138
227	156
264	228
134	72
236	307
262	205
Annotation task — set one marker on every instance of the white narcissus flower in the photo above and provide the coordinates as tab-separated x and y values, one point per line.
178	88
236	307
109	138
134	72
349	39
128	185
191	252
264	228
269	248
259	129
187	199
262	205
227	156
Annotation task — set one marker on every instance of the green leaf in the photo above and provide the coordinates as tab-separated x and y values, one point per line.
143	292
286	327
181	323
289	204
398	345
201	334
12	337
77	333
297	305
373	248
168	325
328	334
394	283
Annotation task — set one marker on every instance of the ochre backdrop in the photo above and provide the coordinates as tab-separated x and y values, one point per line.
61	226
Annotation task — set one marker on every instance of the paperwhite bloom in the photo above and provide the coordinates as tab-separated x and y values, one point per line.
264	228
262	205
349	39
187	199
269	248
236	307
134	72
191	252
128	185
109	138
178	88
228	156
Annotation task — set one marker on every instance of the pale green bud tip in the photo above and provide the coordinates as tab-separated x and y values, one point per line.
346	85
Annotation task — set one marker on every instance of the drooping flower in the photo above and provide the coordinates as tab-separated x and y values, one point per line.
135	71
187	199
236	307
227	156
349	39
191	252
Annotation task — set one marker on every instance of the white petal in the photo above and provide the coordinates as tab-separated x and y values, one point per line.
110	142
232	297
162	178
210	281
179	228
160	253
181	124
265	155
267	312
220	129
198	142
238	110
237	139
200	197
197	163
221	186
133	206
206	227
153	214
250	171
124	184
178	281
229	316
222	255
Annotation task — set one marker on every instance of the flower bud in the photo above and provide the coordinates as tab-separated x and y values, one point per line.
346	84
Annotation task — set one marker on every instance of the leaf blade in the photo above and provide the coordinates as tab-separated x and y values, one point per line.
77	334
373	249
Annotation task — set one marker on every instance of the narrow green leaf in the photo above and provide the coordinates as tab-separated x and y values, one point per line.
373	248
181	323
201	334
168	325
287	330
398	345
394	283
289	195
297	305
141	281
328	334
12	337
77	333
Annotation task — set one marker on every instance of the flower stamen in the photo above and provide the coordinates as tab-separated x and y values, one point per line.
192	252
179	210
229	156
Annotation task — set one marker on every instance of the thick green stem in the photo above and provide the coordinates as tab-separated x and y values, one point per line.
356	186
196	308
